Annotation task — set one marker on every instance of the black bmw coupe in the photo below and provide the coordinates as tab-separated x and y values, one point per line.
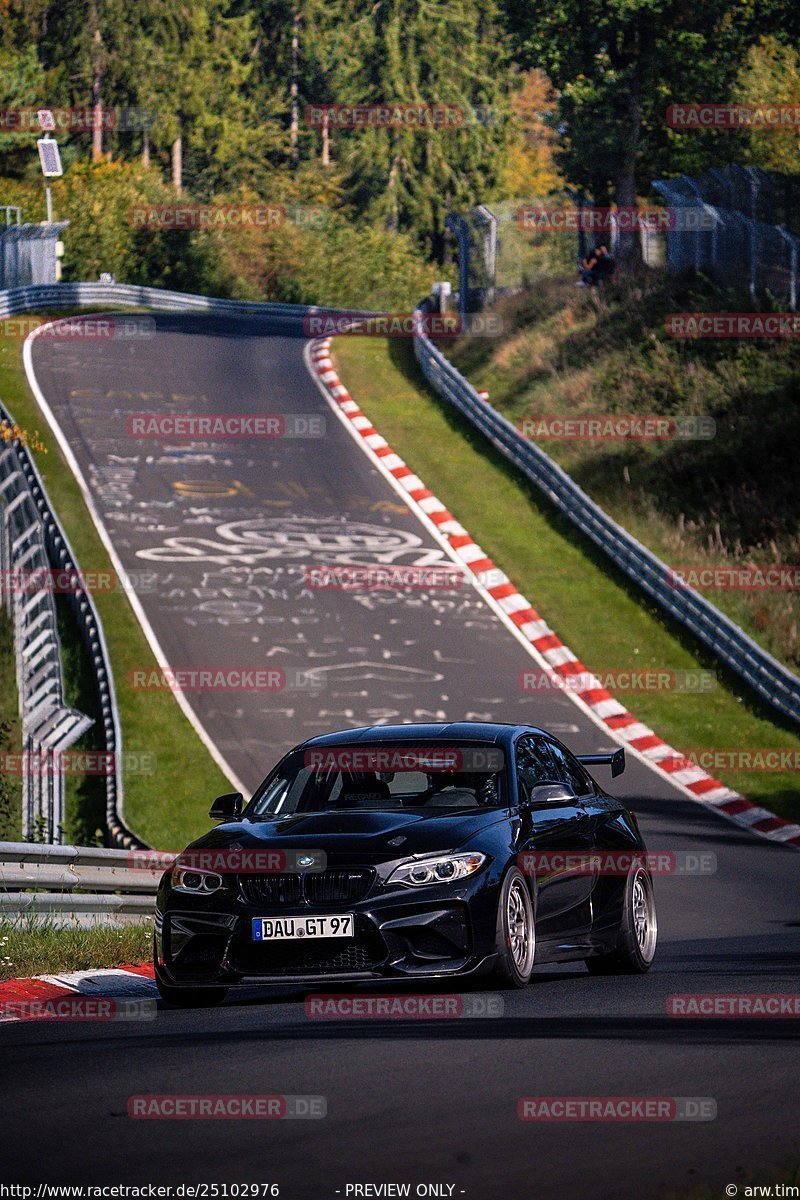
409	852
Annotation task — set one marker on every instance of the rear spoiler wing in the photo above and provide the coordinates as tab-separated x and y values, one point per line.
614	759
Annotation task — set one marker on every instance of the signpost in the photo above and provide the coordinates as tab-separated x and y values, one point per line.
49	156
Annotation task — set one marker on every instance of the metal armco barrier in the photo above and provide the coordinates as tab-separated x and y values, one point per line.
20	478
773	682
76	295
75	885
49	726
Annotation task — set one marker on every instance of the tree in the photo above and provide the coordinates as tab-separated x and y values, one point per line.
194	65
21	87
402	51
771	75
533	141
86	47
618	64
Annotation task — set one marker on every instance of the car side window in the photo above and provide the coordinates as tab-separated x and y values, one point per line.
568	770
534	766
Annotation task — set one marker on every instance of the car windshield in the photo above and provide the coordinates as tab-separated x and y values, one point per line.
337	778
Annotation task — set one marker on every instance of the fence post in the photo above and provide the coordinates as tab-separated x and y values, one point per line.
457	225
490	251
753	257
792	242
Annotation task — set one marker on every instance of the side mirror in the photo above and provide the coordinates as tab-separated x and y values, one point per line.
549	793
227	808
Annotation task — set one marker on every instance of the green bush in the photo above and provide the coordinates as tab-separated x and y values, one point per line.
313	256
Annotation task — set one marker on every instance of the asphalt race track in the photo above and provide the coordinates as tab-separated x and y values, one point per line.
229	529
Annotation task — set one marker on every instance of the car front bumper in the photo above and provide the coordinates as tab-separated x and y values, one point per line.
448	931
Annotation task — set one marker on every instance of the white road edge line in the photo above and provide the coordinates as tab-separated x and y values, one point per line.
133	599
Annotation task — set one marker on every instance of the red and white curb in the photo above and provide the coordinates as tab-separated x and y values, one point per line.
532	628
131	982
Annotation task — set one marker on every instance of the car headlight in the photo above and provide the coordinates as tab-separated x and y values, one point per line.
197	883
421	872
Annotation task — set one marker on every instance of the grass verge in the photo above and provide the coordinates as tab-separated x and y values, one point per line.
28	949
168	806
591	606
726	500
10	735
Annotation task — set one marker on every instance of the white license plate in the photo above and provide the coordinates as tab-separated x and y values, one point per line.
281	929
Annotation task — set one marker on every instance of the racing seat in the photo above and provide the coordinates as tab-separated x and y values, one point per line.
364	793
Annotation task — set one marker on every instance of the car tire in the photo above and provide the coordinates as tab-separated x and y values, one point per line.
516	932
638	931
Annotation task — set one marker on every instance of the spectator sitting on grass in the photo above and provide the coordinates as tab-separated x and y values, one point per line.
597	268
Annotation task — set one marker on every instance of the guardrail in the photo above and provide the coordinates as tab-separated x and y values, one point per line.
77	295
26	479
49	726
74	885
772	681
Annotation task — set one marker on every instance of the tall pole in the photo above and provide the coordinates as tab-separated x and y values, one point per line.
326	140
177	165
295	118
97	84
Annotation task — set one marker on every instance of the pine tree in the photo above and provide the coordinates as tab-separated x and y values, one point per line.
21	88
423	52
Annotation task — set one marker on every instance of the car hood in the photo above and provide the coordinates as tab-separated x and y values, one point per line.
350	834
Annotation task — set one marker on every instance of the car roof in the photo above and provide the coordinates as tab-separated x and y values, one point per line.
462	731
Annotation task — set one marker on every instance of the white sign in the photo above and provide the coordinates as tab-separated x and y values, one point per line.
50	158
